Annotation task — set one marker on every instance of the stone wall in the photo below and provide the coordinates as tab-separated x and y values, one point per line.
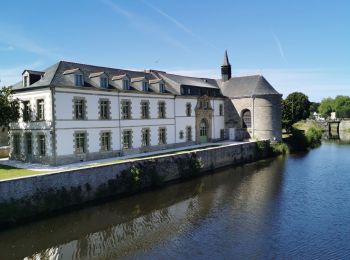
50	192
344	125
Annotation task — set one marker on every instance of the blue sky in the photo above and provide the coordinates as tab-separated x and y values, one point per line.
297	45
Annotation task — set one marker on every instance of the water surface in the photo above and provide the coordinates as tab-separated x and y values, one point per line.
291	207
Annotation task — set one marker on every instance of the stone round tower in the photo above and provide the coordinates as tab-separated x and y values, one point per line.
252	107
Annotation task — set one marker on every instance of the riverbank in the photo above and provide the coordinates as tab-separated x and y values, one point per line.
26	198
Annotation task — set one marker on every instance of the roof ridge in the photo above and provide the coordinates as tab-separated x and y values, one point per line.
55	72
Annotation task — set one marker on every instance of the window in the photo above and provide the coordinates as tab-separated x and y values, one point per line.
78	80
221	109
246	119
125	84
188	91
188	134
203	130
79	109
162	136
161	88
106	141
222	133
26	111
127	139
144	109
25	81
205	104
145	138
40	110
188	109
29	146
145	86
181	135
104	109
104	82
182	91
41	145
16	144
161	109
126	109
80	143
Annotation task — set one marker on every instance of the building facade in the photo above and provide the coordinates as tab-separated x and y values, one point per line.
75	112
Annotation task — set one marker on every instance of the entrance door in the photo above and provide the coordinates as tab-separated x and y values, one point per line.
203	131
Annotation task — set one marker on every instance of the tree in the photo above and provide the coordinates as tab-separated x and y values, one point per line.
326	107
295	107
9	107
314	107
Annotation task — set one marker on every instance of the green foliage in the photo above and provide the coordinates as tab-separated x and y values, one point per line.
189	166
340	105
313	136
262	149
297	141
314	107
295	107
279	148
9	108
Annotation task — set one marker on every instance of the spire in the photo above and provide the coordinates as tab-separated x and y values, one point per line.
226	68
226	62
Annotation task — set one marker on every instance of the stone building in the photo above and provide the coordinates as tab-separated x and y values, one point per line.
74	112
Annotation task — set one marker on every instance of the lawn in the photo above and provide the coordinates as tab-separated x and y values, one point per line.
9	172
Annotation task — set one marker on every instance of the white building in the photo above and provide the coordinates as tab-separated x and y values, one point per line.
74	112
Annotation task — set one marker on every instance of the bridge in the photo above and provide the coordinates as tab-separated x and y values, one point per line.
331	127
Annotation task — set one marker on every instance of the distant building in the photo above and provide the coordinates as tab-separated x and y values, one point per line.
333	116
74	112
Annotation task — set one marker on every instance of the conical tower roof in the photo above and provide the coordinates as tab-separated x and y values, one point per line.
226	62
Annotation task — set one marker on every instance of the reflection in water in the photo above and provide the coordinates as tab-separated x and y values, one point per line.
284	207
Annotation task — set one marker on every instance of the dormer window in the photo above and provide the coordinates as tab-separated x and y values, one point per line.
104	82
162	88
25	81
78	80
145	86
125	84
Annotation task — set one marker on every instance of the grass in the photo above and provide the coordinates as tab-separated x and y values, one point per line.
305	125
9	172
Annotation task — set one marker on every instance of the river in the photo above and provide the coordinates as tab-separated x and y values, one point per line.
290	207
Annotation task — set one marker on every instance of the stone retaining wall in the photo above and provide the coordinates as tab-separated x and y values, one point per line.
50	192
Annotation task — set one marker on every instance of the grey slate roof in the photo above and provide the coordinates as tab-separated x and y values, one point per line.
247	86
235	87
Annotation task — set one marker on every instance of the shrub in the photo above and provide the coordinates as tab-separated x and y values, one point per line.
313	136
279	148
189	166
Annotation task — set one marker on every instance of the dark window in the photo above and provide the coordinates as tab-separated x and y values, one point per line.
161	88
188	109
246	119
126	109
80	143
181	134
42	145
40	110
145	137
127	139
161	110
144	109
125	84
26	111
222	133
29	146
16	144
104	109
79	109
104	82
106	141
162	136
221	109
78	80
145	86
189	134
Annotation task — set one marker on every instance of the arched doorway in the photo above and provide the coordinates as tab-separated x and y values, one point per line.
203	131
246	119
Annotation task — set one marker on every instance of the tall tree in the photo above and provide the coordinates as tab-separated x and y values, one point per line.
326	107
9	107
295	107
